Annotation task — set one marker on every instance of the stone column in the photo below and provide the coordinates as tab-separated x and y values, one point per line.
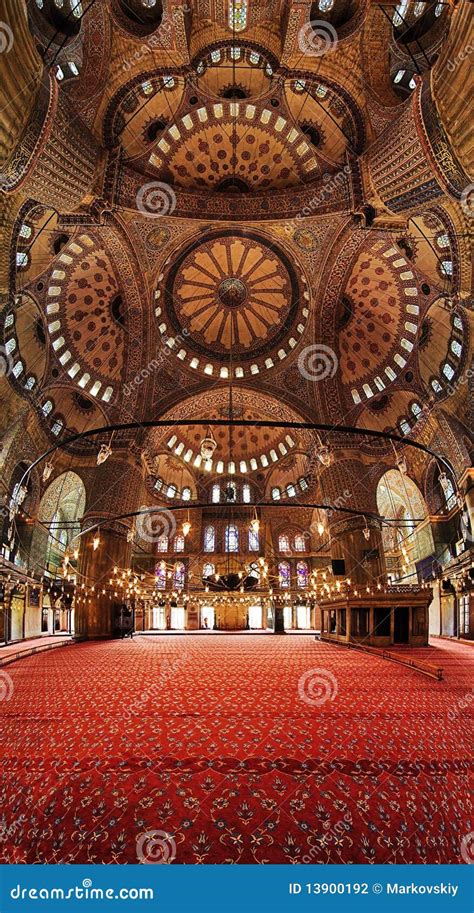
349	484
113	489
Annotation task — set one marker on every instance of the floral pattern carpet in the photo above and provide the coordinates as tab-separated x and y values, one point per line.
234	749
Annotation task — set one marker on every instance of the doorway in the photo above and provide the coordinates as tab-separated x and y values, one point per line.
207	617
177	618
255	617
401	626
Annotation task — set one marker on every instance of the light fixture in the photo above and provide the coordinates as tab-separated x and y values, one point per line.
321	528
96	542
208	446
47	471
255	522
366	531
21	494
186	526
445	483
402	465
104	453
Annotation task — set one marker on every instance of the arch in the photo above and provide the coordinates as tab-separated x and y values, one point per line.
60	511
406	542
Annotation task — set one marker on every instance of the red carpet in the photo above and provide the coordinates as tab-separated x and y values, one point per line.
210	741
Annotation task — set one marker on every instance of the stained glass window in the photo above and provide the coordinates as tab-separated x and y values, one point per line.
325	5
276	494
160	574
254	541
400	12
300	543
162	544
209	539
284	543
208	570
302	574
179	543
246	494
231	538
179	575
238	11
284	574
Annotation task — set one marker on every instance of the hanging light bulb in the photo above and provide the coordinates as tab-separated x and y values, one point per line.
47	471
366	531
21	494
75	554
402	465
321	528
187	526
208	446
255	523
104	453
96	542
325	455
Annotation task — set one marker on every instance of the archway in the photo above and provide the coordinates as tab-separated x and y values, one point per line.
60	512
399	498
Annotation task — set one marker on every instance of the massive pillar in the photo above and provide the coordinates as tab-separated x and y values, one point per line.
348	484
115	489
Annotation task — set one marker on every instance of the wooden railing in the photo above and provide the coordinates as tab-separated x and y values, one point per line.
435	672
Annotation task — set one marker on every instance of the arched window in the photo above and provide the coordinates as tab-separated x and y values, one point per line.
447	267
284	575
325	5
179	543
160	574
186	494
254	540
238	11
47	407
449	491
246	494
179	575
162	543
302	574
284	543
231	538
208	570
276	494
209	539
400	13
291	490
416	410
419	8
300	543
171	491
216	494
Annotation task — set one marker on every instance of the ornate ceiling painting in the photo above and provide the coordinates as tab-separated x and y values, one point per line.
258	214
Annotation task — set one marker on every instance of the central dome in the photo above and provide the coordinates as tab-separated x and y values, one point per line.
232	292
